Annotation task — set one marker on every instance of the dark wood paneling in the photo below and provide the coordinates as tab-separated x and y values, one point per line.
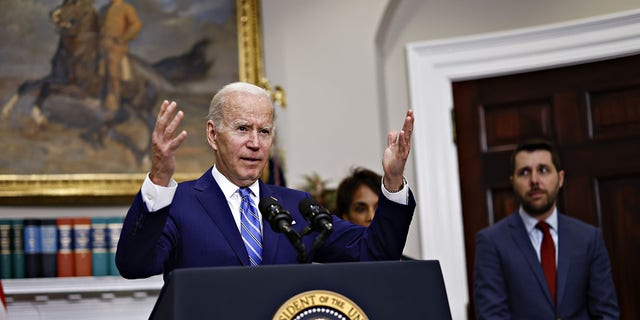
503	203
615	113
578	198
504	125
619	206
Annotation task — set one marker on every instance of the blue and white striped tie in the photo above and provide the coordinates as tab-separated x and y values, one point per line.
250	227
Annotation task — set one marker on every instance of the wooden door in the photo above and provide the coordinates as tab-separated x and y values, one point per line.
592	112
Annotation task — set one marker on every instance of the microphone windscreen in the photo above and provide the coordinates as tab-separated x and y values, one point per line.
265	203
305	206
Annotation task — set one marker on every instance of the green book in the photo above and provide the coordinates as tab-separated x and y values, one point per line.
17	248
99	256
5	249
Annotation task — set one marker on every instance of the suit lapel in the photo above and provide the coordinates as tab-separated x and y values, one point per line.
215	204
270	239
564	243
522	241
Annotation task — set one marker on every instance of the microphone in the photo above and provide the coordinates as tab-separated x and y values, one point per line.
318	216
279	218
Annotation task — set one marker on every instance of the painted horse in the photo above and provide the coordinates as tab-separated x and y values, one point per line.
75	79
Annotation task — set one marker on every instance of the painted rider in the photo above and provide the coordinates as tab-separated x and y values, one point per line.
119	25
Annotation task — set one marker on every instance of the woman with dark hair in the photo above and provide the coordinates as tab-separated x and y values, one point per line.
357	196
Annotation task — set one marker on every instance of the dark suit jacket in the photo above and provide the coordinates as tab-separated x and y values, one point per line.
509	282
198	230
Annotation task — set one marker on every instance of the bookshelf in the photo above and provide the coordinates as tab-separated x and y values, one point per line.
104	297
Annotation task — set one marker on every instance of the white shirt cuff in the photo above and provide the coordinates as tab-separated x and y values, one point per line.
156	197
401	197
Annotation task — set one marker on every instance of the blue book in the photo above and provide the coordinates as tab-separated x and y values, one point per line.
100	263
6	265
17	248
49	247
114	226
32	249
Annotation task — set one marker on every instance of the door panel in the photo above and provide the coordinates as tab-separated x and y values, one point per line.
619	209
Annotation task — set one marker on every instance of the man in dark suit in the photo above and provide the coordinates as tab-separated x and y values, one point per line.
516	275
200	223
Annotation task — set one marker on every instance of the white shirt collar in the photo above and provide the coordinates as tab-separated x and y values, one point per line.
228	188
530	222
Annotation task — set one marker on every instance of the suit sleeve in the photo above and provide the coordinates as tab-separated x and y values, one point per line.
490	289
144	244
384	239
603	303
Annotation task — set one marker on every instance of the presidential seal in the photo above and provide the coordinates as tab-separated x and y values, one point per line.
319	305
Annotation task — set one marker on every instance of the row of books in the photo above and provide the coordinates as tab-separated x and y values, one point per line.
58	247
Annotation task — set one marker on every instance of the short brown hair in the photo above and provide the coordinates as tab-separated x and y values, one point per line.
535	144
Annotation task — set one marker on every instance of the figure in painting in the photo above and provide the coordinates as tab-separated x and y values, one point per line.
119	24
73	63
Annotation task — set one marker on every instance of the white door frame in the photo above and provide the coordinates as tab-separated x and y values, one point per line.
434	65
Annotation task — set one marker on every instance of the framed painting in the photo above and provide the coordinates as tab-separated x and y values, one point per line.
78	106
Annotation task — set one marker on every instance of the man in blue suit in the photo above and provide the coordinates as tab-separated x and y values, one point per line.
516	275
199	223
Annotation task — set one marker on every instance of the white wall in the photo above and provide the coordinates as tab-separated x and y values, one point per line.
401	22
326	70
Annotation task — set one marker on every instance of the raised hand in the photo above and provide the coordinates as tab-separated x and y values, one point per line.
396	154
165	142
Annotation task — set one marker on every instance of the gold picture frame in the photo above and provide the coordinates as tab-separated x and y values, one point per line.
120	188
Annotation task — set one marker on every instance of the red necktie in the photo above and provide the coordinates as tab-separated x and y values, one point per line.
548	258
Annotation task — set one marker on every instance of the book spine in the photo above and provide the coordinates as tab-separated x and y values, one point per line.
49	245
6	266
114	227
82	246
17	248
66	265
100	266
32	249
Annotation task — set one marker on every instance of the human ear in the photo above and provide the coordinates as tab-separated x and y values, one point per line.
212	135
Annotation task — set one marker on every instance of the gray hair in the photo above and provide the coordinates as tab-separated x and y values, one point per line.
216	107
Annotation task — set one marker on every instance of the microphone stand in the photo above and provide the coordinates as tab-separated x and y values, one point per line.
296	240
318	241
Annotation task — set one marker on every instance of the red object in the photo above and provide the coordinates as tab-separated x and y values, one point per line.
82	246
548	258
66	263
3	304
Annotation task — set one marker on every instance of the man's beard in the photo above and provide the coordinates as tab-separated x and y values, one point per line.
534	210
